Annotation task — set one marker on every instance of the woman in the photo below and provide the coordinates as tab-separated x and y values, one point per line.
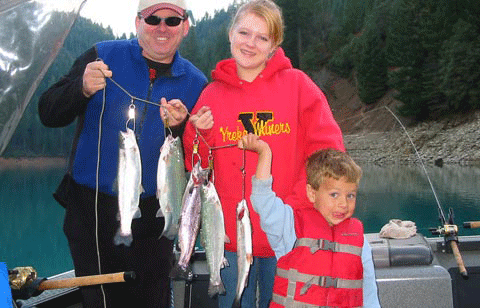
258	91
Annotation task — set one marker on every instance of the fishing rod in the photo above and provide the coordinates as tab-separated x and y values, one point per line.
448	228
25	283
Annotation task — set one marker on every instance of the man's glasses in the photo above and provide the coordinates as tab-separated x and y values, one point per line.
169	21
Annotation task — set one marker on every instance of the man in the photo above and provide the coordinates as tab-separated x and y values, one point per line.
150	69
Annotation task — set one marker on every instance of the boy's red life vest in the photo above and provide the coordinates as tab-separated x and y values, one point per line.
324	269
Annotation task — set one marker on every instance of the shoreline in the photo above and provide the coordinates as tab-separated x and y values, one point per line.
32	162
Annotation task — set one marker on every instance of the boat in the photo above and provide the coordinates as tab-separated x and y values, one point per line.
420	271
415	272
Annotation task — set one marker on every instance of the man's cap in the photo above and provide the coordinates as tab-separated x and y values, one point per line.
148	7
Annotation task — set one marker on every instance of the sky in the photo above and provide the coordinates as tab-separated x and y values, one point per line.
120	14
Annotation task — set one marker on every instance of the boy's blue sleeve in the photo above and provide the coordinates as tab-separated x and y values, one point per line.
370	292
5	292
276	218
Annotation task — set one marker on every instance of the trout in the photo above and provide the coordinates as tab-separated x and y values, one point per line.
244	250
189	223
171	183
213	237
129	185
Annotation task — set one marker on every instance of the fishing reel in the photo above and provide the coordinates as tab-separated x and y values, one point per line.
449	231
446	230
24	282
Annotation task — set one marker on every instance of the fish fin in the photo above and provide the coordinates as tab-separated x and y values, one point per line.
224	263
115	184
227	239
202	238
216	289
170	234
159	213
120	239
137	214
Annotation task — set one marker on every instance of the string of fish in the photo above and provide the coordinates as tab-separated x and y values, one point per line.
182	269
244	230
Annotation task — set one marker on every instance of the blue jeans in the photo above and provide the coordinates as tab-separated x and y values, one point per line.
262	273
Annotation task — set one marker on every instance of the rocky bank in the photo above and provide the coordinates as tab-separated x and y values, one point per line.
376	134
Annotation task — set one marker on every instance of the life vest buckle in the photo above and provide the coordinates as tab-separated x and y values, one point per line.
326	245
328	282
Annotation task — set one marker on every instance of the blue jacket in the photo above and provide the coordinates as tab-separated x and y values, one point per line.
131	72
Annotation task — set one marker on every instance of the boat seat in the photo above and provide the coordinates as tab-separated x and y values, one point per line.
399	252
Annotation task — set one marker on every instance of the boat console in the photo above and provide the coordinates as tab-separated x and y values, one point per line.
407	275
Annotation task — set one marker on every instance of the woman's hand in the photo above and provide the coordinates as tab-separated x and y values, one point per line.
203	119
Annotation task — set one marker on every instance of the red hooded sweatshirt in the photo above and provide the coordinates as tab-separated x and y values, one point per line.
287	110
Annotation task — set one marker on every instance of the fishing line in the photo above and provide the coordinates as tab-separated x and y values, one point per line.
97	175
244	173
442	214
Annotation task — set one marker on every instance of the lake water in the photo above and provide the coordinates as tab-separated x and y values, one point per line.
31	229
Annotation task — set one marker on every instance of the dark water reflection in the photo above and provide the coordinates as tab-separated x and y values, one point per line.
403	192
31	231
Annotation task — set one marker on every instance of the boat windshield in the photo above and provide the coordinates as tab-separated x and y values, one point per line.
31	35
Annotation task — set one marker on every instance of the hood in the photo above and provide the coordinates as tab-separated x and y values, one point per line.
226	70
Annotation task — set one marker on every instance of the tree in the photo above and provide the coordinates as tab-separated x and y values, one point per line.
372	69
459	67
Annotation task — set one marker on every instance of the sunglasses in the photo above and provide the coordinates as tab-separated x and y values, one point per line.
169	21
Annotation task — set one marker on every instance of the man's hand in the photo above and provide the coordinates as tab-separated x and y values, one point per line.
94	77
174	111
203	119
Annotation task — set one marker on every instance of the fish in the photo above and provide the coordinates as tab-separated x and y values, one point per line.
129	186
189	223
171	184
244	250
213	237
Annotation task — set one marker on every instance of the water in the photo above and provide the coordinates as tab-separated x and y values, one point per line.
31	232
31	226
403	192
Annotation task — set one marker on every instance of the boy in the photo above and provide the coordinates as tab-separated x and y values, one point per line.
327	261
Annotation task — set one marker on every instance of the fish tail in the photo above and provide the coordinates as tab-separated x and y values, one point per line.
122	239
178	273
237	302
214	289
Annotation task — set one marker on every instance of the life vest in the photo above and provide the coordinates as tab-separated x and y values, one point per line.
324	269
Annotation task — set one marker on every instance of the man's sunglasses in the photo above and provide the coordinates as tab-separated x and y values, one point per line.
169	21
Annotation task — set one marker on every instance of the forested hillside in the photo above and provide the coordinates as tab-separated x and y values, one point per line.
425	52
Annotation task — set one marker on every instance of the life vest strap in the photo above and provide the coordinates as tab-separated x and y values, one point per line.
296	304
323	244
322	281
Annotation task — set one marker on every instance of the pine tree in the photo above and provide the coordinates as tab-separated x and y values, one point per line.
371	70
460	67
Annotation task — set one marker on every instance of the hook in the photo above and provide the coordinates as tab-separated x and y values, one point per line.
131	115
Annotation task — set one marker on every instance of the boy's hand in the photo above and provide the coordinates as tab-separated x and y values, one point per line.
253	143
